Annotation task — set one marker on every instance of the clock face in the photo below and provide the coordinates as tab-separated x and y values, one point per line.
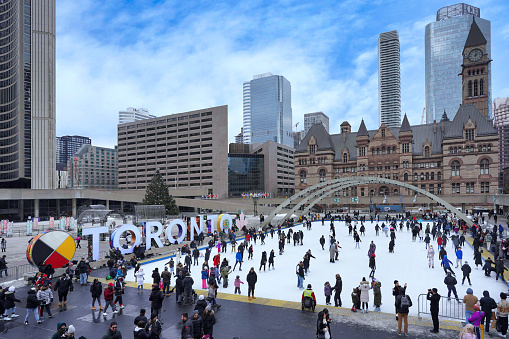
475	55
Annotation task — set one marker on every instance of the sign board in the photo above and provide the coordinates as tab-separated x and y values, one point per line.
354	199
336	199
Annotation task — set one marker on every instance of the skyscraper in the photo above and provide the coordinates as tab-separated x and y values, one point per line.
268	109
315	118
501	115
132	114
67	145
389	84
444	43
27	94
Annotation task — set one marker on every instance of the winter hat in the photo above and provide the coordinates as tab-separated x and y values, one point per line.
309	286
195	312
209	307
71	329
12	289
201	297
110	284
503	295
477	306
374	256
470	291
166	268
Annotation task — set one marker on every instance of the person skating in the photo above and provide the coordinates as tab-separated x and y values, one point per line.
250	252
32	305
434	299
322	242
272	255
450	281
263	261
109	291
372	265
332	252
466	269
327	291
238	260
338	287
459	257
251	279
357	239
225	272
431	257
403	304
355	300
500	268
488	304
446	264
300	275
237	283
364	288
488	267
377	294
156	277
477	259
395	293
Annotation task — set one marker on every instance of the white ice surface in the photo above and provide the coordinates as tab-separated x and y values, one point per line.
408	264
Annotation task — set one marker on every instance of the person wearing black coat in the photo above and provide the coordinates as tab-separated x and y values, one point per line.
338	287
500	267
187	284
155	327
487	305
140	332
156	276
251	279
201	304
209	320
96	290
466	269
434	299
156	297
32	304
322	242
197	325
141	317
451	282
62	286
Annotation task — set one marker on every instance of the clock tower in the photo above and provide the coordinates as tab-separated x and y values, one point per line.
474	72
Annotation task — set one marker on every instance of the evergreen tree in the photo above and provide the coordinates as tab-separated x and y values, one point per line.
157	194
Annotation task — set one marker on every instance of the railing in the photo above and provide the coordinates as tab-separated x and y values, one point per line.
449	307
16	272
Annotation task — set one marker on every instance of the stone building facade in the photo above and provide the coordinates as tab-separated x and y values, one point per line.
446	157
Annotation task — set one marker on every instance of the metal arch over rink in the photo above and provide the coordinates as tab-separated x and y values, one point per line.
322	190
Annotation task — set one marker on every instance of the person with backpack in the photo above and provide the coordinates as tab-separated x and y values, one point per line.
403	304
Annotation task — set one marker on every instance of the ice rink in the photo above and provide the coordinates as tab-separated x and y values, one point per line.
408	264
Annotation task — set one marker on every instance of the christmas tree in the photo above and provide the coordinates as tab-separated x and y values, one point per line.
157	194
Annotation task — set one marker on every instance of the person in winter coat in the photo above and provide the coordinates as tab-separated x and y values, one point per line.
488	304
113	332
63	285
140	279
272	255
32	304
119	290
377	294
82	269
209	320
451	282
322	241
197	325
332	252
187	284
434	299
355	300
251	279
500	268
187	327
469	300
459	257
201	304
263	261
140	331
45	296
156	297
204	278
61	329
431	256
166	277
403	304
109	291
338	287
488	267
96	291
327	291
372	265
466	269
156	277
238	260
446	264
364	287
477	258
476	319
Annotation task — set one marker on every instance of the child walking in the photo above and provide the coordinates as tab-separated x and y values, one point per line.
204	277
327	290
237	283
355	300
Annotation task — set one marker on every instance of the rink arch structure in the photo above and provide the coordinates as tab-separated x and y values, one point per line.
314	194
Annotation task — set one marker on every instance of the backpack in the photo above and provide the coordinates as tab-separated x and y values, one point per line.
405	302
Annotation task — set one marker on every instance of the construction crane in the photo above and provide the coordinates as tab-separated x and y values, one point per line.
423	117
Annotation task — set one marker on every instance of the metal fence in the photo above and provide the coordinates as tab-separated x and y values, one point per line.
449	307
17	272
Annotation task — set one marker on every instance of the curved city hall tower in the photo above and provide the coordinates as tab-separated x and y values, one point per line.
474	74
27	94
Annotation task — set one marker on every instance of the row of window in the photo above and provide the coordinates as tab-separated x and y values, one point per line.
470	149
471	187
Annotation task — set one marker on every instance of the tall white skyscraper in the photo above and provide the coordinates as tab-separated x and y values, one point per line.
132	114
268	109
389	83
444	40
27	94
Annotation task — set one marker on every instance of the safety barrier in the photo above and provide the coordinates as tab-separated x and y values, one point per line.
17	272
449	307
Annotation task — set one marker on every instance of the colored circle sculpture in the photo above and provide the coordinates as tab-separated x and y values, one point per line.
51	247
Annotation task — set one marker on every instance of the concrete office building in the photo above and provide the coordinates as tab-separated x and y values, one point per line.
67	145
267	109
444	41
239	138
190	150
315	118
501	115
132	114
27	95
93	167
389	82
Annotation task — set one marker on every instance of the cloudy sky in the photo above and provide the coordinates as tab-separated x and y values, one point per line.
176	56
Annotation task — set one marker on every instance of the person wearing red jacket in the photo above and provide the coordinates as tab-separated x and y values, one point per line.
108	299
440	242
309	293
217	260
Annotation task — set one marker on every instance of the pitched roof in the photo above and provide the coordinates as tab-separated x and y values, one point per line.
363	131
405	125
455	128
475	36
322	137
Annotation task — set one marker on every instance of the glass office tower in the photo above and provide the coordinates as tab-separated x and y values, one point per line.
245	174
268	110
444	42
